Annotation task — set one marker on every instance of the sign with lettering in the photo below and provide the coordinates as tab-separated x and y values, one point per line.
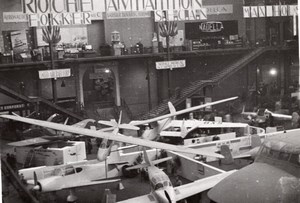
14	17
219	9
13	107
211	26
56	73
75	6
270	11
170	64
152	5
74	12
210	30
180	15
128	14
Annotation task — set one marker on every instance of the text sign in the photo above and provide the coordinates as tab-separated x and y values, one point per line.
14	17
57	73
269	11
170	64
74	6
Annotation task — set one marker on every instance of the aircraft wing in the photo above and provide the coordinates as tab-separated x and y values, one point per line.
111	136
283	116
145	199
75	184
198	186
142	122
249	114
28	142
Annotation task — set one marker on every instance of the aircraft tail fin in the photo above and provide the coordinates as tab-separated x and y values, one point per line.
171	108
255	141
52	117
66	121
184	130
225	151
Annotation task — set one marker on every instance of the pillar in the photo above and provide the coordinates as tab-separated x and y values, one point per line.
115	70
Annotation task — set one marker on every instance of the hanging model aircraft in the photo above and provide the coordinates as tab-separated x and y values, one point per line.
157	124
112	137
162	189
273	177
263	114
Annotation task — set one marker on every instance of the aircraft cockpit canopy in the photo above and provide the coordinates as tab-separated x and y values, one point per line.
283	155
160	182
261	112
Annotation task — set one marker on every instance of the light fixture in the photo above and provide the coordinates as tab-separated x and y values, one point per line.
63	84
273	71
107	71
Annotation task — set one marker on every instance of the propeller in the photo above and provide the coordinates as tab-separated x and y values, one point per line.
118	125
37	186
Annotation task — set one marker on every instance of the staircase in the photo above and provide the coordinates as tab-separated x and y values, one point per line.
194	87
9	88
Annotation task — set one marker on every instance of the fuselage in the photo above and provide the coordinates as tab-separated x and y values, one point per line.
161	186
70	176
273	177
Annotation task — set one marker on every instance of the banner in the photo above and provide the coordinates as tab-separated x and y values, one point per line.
14	17
270	11
180	15
75	6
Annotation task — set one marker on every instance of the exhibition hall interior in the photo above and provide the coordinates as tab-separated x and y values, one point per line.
190	101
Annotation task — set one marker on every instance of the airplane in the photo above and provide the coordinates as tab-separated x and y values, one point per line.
263	114
157	124
274	176
73	175
112	137
162	189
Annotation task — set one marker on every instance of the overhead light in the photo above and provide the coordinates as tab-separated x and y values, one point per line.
273	72
107	71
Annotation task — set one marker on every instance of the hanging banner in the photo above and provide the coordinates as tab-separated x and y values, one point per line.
170	64
75	6
180	15
269	11
14	17
56	73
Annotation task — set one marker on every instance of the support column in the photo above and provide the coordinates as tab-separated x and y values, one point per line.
78	90
81	72
115	70
149	62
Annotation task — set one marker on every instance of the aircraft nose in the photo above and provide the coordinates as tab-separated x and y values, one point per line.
36	187
165	196
258	182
